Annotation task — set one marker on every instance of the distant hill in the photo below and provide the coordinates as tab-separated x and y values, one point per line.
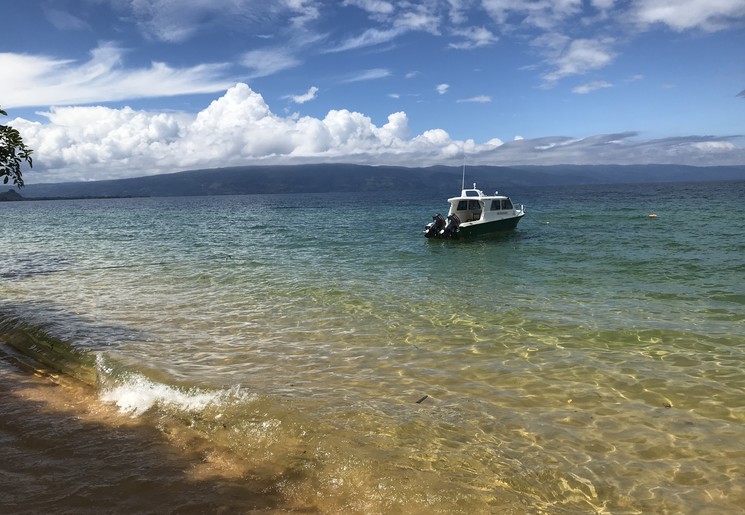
317	178
10	195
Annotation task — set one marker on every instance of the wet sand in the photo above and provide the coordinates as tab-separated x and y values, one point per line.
63	451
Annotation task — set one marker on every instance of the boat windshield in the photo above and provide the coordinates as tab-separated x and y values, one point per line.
468	210
469	205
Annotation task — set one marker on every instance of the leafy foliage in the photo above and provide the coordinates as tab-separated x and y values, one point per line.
12	153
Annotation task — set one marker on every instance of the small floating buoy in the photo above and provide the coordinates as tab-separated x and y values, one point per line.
652	215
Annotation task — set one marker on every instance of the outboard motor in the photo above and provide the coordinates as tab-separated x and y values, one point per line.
433	229
451	229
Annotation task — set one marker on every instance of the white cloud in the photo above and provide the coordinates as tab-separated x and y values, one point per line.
579	57
177	21
549	22
374	74
541	14
442	88
301	12
591	86
268	61
417	19
621	148
480	99
80	143
475	37
85	143
369	37
305	97
34	80
714	146
708	15
371	6
457	11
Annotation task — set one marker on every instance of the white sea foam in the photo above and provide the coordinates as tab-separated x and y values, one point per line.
138	394
135	394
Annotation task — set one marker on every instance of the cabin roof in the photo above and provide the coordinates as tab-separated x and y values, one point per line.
480	196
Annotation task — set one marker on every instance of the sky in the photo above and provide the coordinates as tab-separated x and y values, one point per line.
104	89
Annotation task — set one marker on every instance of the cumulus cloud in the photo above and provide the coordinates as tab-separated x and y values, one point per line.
86	143
80	143
442	88
38	80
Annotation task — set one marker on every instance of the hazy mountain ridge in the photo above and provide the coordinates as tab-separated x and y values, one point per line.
317	178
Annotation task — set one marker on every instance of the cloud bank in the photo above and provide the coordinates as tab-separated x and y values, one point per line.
239	128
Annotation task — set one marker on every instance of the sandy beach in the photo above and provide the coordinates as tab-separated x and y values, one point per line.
65	452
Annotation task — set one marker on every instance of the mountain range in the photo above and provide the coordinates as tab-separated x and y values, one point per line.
316	178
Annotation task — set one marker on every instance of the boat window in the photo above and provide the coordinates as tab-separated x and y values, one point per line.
472	193
474	205
495	205
462	205
506	204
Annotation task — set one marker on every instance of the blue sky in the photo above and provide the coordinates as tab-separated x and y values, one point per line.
119	88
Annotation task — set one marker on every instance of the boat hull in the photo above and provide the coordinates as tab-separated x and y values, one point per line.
485	228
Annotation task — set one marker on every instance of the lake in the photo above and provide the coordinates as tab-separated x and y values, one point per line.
589	361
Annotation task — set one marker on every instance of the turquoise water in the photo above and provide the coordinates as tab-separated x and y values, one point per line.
590	361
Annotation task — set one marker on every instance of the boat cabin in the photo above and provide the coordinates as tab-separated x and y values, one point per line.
472	204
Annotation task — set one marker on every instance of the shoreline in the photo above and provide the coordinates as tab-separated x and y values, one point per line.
65	451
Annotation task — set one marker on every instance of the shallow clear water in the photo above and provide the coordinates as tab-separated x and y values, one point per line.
589	361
